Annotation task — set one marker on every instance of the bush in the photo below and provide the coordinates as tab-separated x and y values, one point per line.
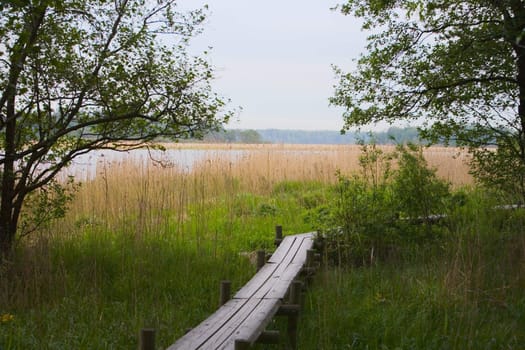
376	210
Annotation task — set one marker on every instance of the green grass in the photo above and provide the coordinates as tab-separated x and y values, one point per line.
97	286
465	291
404	308
100	290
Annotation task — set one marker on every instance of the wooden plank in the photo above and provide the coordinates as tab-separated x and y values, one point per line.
286	244
282	250
253	285
213	324
273	283
306	244
254	324
229	333
293	251
281	285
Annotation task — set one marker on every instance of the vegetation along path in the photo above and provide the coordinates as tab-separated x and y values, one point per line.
241	321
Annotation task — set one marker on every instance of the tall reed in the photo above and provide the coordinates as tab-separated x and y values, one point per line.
145	243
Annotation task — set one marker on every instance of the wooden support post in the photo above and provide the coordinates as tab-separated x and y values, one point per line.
310	258
294	298
261	259
147	339
225	292
292	331
319	246
242	344
309	268
293	318
278	235
268	337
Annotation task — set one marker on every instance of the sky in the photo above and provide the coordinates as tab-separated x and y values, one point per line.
274	59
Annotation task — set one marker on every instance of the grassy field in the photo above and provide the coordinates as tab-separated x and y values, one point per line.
146	245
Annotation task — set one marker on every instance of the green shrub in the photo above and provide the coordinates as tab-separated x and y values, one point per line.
376	211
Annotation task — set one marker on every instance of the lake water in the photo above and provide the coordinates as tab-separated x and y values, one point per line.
271	158
85	166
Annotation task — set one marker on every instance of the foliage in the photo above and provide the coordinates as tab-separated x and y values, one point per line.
465	291
234	136
502	170
456	65
418	192
82	75
376	210
318	137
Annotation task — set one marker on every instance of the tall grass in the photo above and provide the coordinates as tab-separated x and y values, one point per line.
465	294
146	244
457	284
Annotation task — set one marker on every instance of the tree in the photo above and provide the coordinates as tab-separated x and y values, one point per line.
457	65
92	74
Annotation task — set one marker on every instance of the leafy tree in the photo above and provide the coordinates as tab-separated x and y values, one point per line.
93	74
458	65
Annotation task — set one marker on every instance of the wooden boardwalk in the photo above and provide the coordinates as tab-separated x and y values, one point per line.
241	322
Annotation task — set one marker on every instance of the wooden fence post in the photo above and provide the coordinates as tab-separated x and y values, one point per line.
293	318
310	258
147	339
225	292
261	259
278	235
242	345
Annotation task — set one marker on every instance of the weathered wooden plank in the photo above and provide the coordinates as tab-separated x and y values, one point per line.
282	250
293	252
253	285
306	244
280	286
286	271
198	336
249	319
254	324
287	243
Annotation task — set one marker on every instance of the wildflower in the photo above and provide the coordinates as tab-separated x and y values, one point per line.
5	318
380	299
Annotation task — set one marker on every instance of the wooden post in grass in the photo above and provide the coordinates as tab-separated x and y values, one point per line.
225	292
268	337
309	269
147	339
261	259
293	318
310	258
242	345
278	235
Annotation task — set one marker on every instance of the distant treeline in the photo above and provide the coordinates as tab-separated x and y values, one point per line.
391	136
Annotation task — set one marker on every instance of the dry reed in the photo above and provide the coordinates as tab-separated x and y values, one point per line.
150	195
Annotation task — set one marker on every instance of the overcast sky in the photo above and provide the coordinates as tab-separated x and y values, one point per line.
273	58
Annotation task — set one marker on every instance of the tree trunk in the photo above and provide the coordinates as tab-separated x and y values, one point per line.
8	216
7	237
9	209
521	111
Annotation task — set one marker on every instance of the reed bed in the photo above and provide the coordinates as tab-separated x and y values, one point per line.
153	194
146	240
